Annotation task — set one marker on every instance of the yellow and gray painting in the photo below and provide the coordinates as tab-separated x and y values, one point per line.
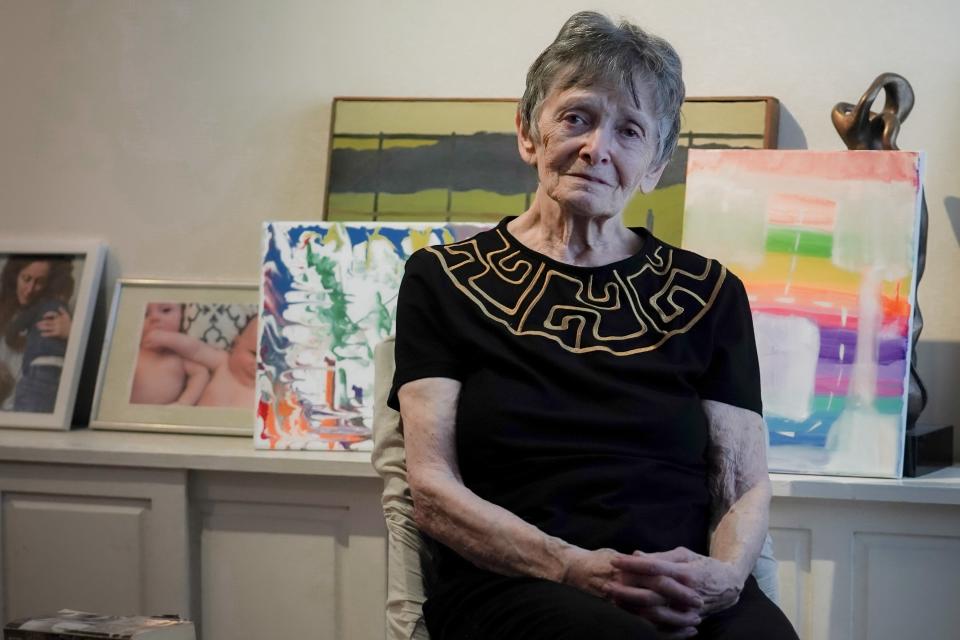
457	160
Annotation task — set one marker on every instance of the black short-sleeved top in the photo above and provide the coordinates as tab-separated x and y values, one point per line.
580	403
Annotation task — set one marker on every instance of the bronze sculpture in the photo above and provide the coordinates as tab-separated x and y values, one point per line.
862	129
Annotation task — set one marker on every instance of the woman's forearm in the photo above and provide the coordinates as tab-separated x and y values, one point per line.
487	535
739	484
739	534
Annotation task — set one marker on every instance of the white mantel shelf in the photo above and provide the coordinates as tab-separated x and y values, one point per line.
175	451
230	453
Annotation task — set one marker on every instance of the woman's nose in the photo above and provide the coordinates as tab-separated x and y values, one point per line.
596	147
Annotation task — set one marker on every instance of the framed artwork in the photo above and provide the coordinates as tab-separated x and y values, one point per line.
47	294
826	244
328	296
457	160
179	356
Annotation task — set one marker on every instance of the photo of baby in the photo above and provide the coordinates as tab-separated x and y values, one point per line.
196	355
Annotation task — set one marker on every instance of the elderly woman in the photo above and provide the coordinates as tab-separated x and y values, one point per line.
580	400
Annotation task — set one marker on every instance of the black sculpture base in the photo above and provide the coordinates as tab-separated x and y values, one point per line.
929	447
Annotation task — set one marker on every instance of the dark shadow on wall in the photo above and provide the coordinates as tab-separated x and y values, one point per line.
937	363
790	134
952	205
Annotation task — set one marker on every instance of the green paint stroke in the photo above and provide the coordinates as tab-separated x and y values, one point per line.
384	317
343	330
814	244
480	201
883	404
348	203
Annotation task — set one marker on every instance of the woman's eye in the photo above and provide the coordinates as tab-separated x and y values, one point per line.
632	132
573	118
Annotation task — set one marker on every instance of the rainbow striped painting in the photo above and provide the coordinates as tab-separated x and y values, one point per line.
826	245
328	295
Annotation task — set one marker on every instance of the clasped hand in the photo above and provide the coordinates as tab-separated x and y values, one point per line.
673	589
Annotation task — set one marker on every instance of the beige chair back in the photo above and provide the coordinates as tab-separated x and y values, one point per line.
404	578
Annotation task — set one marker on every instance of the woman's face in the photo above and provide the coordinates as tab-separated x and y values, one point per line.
31	281
595	147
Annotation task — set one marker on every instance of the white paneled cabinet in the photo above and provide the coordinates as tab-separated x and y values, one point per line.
92	538
255	544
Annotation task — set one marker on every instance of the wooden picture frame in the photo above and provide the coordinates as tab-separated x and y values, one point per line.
133	396
40	370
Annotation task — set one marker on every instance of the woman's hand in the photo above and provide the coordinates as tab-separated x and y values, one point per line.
670	605
55	324
717	583
590	571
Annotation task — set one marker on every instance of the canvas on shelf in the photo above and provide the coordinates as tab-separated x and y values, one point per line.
328	296
826	245
457	159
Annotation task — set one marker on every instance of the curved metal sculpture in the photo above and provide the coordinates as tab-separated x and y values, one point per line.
863	129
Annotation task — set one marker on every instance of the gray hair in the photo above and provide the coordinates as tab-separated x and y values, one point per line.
591	49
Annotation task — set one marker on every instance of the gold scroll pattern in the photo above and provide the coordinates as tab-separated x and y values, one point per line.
619	316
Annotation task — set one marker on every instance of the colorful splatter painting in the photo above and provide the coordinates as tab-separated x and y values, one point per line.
328	296
826	244
457	160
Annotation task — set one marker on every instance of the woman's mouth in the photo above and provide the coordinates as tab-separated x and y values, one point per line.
589	178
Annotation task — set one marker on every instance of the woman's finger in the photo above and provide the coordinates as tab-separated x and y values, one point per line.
651	566
677	554
672	591
634	597
678	634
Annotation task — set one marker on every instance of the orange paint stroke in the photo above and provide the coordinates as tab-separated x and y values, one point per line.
824	306
800	210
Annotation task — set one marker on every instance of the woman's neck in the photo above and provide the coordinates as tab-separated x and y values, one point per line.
573	237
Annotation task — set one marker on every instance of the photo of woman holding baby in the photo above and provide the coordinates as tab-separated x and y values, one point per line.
196	355
36	310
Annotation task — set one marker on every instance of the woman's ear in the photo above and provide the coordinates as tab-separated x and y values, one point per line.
528	151
649	180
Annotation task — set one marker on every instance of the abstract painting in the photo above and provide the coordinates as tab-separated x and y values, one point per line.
457	160
328	296
826	244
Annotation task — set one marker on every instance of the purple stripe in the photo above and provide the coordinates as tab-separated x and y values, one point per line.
834	377
830	340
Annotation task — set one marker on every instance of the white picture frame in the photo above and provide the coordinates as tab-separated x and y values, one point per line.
114	407
85	259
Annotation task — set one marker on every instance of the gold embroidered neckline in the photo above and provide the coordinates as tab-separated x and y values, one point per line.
627	307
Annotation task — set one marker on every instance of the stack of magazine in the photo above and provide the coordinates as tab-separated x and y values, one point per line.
67	624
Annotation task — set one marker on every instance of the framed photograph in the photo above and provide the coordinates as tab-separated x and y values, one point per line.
47	292
179	356
456	159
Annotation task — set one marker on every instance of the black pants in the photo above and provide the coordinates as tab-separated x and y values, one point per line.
503	608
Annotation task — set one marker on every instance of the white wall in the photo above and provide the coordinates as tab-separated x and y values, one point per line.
171	129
